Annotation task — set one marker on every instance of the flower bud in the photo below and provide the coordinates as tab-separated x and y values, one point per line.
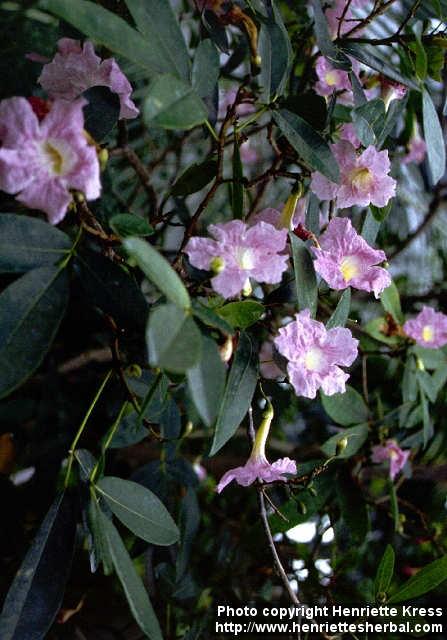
103	157
341	445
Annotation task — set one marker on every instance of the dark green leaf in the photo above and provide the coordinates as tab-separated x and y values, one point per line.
346	408
368	120
434	138
341	313
313	214
241	314
425	580
31	310
99	548
205	69
155	19
336	57
305	277
276	52
206	381
308	143
139	509
133	586
353	506
173	339
101	113
355	437
370	228
126	224
172	104
385	571
210	318
381	213
370	56
27	243
390	301
239	390
35	596
158	270
195	177
189	524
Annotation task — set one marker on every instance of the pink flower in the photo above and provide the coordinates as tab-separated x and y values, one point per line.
428	328
392	452
392	90
337	14
348	132
364	178
43	161
238	253
331	79
294	208
247	153
75	69
314	353
345	259
267	365
417	148
257	466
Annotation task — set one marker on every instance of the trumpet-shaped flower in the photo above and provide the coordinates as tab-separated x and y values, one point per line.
257	466
391	451
345	259
238	253
315	355
392	90
75	69
364	178
330	79
417	148
428	328
42	161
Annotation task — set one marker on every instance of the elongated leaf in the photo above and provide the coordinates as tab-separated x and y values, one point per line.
205	69
99	549
139	509
31	310
27	243
308	143
126	224
370	228
173	339
35	596
425	580
156	21
158	270
355	437
390	301
206	381
368	120
341	313
210	318
369	55
239	391
110	30
385	571
276	53
136	594
172	104
189	524
345	408
241	314
195	177
434	138
305	277
336	57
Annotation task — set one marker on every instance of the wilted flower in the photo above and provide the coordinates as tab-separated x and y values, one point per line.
238	253
75	69
345	259
314	355
417	148
392	452
364	178
428	328
267	366
392	90
42	161
257	466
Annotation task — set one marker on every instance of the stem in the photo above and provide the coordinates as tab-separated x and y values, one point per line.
150	394
83	424
107	441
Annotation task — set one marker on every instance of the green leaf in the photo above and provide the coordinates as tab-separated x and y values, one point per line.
126	224
173	339
368	120
210	318
132	584
337	58
195	178
355	436
305	277
35	596
313	214
420	61
385	572
432	358
370	56
353	508
205	69
433	137
377	328
27	243
104	27
390	300
425	580
31	310
155	19
276	54
308	143
99	548
102	111
172	104
346	408
158	270
139	509
189	524
370	228
241	314
239	390
206	381
341	313
381	213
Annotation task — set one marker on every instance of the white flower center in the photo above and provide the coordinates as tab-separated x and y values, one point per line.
314	359
350	267
245	258
428	333
331	78
57	156
361	178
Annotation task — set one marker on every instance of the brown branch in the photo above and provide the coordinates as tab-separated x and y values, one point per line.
141	171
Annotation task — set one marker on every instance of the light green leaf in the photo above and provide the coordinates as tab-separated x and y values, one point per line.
346	408
341	313
390	300
158	270
305	277
385	571
210	318
172	104
206	381
425	580
241	314
139	509
126	224
434	138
